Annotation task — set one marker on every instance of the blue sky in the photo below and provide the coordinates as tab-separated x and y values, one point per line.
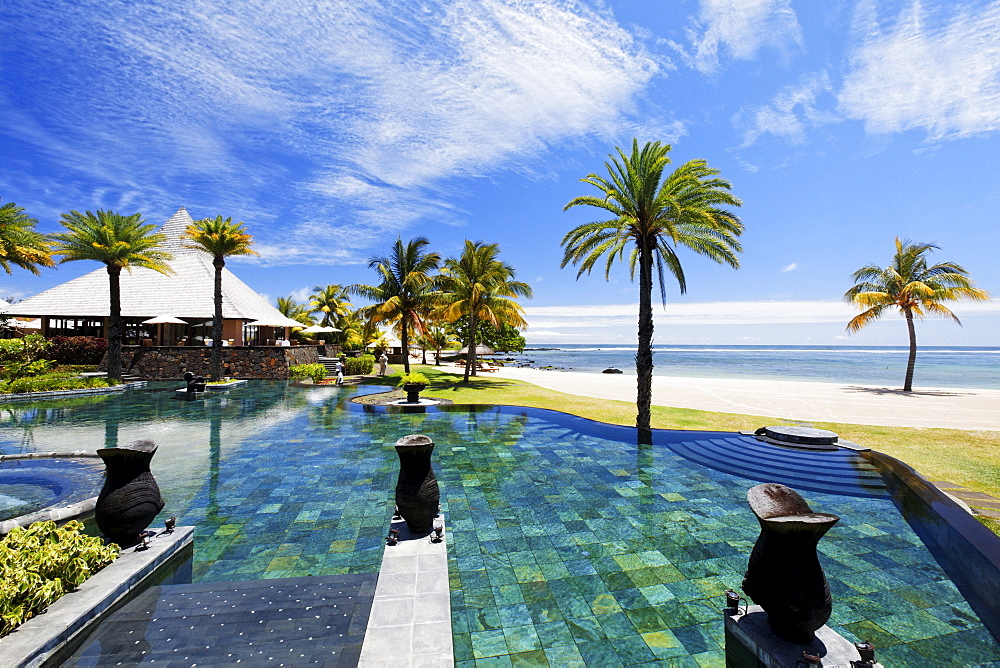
331	128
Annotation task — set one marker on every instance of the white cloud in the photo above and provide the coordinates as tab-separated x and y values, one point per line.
793	110
792	267
941	75
385	102
739	27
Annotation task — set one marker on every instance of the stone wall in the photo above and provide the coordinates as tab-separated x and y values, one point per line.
169	362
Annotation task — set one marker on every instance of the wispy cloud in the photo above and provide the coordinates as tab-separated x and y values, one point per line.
739	28
792	267
793	110
925	71
386	103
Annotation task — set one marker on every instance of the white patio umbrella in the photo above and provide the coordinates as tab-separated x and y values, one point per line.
164	320
480	350
316	329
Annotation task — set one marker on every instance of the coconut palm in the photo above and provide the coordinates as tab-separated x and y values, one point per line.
480	287
652	216
220	238
119	242
405	290
914	288
439	338
295	310
20	244
333	302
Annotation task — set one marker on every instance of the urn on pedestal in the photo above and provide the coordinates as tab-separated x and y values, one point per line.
784	575
130	498
417	493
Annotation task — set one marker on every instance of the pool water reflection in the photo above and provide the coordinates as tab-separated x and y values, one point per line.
567	542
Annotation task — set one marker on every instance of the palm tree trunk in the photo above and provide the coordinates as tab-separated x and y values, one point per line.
216	371
644	354
404	340
115	324
470	356
912	359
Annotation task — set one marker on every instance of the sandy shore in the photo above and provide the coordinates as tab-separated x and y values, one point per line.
948	408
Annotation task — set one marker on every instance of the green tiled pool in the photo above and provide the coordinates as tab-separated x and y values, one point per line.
568	543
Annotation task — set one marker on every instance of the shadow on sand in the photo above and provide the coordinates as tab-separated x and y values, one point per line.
915	393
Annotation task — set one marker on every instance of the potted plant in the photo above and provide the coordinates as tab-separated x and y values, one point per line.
413	384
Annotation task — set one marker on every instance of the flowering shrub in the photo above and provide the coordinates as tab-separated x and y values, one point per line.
77	349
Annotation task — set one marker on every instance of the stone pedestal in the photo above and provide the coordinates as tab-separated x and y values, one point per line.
751	643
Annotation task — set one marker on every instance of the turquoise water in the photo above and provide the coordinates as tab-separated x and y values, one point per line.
568	544
973	367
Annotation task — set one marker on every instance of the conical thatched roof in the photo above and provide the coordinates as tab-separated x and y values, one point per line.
185	293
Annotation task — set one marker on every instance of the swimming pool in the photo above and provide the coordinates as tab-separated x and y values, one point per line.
568	543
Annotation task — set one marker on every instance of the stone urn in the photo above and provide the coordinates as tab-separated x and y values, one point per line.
413	391
130	498
417	494
784	575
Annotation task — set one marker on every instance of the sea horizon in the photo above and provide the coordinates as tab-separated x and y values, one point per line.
974	367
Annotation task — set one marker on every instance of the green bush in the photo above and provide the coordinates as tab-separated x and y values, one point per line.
360	366
414	379
41	563
315	371
24	357
51	383
77	349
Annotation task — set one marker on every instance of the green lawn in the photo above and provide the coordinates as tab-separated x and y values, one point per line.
968	458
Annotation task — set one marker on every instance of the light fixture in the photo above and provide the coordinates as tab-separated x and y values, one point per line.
438	534
170	524
393	536
395	513
733	602
867	652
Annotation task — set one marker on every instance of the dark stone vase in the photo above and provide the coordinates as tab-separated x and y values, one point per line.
417	493
130	498
784	575
413	391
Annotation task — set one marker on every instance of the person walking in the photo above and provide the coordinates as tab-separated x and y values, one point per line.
383	362
340	371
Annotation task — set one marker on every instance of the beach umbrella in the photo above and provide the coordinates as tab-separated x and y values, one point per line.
317	329
480	350
164	320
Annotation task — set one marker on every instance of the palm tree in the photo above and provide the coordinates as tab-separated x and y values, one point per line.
652	216
479	286
333	302
20	244
909	285
405	290
120	242
220	238
439	338
295	310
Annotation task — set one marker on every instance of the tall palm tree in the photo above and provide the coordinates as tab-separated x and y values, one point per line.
405	290
440	338
120	242
220	238
480	287
914	288
295	310
20	244
333	302
652	216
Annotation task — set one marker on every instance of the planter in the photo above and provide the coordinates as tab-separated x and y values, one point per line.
130	498
417	493
784	576
413	391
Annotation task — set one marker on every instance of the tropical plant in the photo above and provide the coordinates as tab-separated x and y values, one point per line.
119	242
316	372
20	244
23	358
914	288
353	334
439	338
405	289
361	365
332	302
653	216
41	563
478	286
77	349
295	310
414	378
220	238
505	338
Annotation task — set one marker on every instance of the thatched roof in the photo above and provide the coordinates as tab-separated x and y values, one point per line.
185	293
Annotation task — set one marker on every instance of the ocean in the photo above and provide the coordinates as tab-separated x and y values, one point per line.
937	366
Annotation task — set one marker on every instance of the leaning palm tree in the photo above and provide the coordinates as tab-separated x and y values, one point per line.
909	285
405	290
332	302
478	286
220	238
20	244
120	242
652	216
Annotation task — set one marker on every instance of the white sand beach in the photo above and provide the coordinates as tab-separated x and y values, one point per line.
949	408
